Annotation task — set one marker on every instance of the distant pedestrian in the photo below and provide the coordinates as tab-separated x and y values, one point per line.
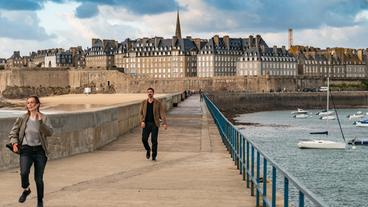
200	95
151	112
28	137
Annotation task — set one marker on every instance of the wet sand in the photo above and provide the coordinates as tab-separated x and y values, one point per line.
81	102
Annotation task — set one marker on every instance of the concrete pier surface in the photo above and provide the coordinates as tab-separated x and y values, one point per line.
192	169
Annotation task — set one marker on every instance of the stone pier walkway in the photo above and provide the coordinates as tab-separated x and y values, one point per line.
193	169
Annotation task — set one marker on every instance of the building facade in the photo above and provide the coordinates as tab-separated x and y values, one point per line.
101	54
16	60
267	61
332	62
60	59
78	57
220	55
157	57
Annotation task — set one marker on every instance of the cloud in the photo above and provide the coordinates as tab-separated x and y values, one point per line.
278	15
22	25
86	10
21	4
24	46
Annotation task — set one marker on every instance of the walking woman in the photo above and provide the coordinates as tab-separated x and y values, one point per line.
28	137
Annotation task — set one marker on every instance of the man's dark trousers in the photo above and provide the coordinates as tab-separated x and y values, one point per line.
152	129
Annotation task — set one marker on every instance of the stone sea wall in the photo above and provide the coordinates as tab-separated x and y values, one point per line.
240	102
18	83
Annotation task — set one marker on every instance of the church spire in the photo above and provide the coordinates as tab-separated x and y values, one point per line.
178	30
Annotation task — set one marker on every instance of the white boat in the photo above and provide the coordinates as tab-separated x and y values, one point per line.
361	123
329	117
301	116
299	111
357	115
321	144
325	113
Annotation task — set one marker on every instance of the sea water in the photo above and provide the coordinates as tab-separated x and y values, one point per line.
338	177
10	113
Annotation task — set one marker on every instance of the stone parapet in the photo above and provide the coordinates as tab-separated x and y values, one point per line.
82	132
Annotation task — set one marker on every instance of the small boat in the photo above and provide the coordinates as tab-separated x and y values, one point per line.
361	123
325	113
357	115
322	132
301	116
359	141
329	117
320	144
299	111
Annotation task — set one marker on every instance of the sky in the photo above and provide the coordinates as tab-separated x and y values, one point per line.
31	25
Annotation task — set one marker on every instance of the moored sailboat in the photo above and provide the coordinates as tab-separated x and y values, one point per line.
324	144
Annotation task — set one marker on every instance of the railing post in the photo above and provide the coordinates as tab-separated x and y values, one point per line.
273	186
301	199
243	156
240	153
247	165
286	192
237	149
257	178
264	181
252	172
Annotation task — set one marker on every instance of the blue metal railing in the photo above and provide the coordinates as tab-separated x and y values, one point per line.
243	153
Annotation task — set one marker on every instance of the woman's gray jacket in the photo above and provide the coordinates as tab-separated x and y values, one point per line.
16	134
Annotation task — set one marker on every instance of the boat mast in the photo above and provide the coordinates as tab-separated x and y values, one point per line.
328	91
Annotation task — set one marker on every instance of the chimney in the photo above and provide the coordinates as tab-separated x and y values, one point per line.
216	39
227	41
290	38
360	55
274	49
258	40
95	42
197	42
283	50
250	41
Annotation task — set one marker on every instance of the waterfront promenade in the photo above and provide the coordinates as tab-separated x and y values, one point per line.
193	169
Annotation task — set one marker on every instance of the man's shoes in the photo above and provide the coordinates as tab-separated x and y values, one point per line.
39	203
153	158
148	154
24	195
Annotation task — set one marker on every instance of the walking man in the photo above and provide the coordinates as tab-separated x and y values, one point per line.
200	95
151	112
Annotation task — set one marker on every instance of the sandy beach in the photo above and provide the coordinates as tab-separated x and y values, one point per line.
82	102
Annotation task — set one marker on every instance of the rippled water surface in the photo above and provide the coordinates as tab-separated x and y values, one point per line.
339	177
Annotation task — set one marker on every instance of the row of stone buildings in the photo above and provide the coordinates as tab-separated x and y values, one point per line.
49	58
333	62
178	57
